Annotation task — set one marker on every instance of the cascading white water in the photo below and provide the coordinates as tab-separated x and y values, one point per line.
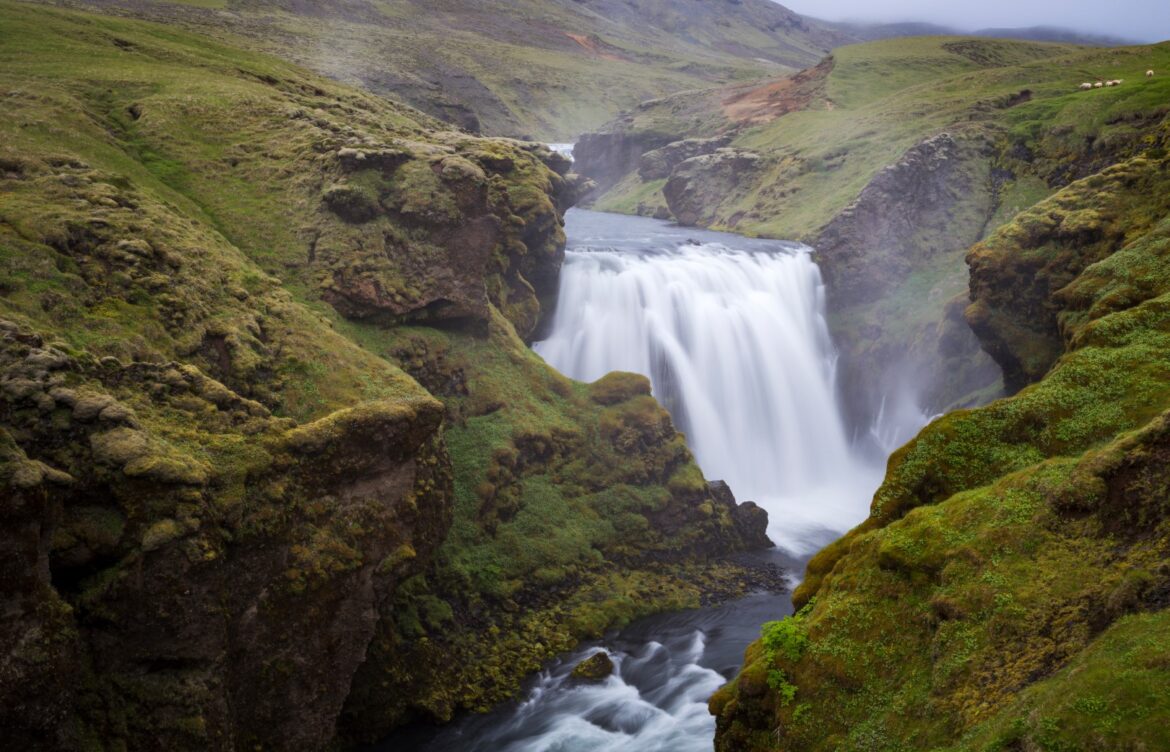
565	150
732	334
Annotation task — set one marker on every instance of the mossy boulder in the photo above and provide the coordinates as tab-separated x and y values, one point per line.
618	386
595	668
446	230
352	203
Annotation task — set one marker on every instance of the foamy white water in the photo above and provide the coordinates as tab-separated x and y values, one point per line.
563	149
665	669
732	334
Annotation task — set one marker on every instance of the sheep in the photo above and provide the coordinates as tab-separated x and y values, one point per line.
1099	85
1111	83
1085	86
1149	74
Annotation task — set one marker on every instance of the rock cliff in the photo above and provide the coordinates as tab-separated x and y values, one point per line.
1017	551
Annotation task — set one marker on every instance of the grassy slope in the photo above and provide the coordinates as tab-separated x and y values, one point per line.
218	158
514	64
883	97
1008	591
203	105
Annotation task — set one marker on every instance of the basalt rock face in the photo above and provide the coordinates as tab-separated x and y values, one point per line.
606	157
869	247
695	182
660	163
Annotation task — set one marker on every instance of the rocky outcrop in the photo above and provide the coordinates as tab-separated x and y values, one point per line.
915	217
605	158
1025	304
660	163
695	182
625	522
751	521
437	233
214	587
877	240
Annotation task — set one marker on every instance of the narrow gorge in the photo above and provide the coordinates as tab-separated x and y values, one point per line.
816	399
731	332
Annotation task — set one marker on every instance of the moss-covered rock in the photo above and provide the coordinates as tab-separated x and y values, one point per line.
578	507
200	544
594	668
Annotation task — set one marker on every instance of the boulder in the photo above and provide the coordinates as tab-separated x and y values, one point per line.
594	668
659	163
699	184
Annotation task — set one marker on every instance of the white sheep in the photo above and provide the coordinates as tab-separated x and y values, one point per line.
1111	83
1149	74
1085	86
1099	85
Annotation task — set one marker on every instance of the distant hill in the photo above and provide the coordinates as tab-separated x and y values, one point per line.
869	32
1055	34
545	69
874	32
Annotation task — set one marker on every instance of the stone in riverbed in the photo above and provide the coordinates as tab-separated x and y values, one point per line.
594	668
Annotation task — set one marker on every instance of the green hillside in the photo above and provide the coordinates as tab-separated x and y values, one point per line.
267	420
1009	588
544	69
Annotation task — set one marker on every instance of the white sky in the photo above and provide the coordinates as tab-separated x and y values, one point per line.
1140	20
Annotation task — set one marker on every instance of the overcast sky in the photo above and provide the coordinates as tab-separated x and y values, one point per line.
1140	20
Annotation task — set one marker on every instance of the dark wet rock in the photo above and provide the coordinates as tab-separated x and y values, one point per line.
605	158
240	592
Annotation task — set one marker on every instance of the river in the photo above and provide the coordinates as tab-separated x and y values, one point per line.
731	332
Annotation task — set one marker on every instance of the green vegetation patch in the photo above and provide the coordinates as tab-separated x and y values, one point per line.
1015	557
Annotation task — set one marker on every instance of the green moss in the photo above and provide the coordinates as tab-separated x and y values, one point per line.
160	533
618	387
594	668
1009	544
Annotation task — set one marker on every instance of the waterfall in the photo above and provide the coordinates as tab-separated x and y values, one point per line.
565	150
732	334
